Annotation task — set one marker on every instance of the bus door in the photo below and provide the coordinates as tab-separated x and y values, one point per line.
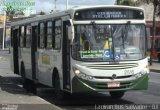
15	50
66	56
34	51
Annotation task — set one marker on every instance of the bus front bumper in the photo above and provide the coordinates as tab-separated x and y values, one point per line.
83	86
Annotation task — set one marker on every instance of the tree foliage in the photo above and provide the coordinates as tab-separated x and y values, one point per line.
156	4
10	11
42	13
156	11
125	2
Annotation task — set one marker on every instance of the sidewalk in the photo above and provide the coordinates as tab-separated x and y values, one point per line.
12	93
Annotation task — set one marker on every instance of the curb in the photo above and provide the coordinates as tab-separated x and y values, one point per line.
47	106
155	70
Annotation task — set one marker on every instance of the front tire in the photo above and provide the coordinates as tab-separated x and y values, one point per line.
25	82
28	84
117	94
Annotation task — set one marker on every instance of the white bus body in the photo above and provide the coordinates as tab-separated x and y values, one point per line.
45	50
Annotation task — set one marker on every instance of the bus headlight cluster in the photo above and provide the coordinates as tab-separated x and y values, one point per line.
81	74
140	74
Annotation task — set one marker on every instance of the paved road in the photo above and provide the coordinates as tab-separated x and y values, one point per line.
12	92
90	101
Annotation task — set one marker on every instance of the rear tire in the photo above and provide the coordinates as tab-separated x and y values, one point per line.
29	85
117	94
23	76
58	92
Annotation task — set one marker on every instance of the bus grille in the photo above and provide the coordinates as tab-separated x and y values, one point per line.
123	85
112	66
118	77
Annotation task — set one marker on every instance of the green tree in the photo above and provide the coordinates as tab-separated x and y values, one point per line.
42	13
125	2
10	11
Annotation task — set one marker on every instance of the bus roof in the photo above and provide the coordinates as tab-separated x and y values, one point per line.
69	12
106	6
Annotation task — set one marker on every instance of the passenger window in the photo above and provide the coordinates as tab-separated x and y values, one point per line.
42	35
22	37
49	34
28	36
58	33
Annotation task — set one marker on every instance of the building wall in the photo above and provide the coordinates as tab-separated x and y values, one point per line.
7	34
148	9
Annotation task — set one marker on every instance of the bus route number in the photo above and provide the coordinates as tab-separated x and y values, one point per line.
128	72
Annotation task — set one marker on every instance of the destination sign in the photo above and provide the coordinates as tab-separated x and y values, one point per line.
108	13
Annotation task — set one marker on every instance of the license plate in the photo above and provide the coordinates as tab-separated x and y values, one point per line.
113	84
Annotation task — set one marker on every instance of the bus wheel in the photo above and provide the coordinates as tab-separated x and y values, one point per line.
117	94
33	87
23	76
58	92
30	86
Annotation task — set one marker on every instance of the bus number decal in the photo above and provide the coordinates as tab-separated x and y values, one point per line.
128	72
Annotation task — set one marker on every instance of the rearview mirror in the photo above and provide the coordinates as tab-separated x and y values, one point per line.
71	31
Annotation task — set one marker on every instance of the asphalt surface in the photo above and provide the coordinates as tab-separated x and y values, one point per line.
11	92
91	101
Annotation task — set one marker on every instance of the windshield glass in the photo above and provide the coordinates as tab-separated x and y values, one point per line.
109	42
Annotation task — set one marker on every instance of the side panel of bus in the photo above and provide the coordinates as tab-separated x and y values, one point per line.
45	53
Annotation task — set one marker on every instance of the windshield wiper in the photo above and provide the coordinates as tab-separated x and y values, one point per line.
124	33
123	36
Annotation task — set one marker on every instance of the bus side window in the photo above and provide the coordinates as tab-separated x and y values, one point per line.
28	36
49	34
19	36
58	33
53	34
22	37
41	40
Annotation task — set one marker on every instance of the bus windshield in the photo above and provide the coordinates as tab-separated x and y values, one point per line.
109	42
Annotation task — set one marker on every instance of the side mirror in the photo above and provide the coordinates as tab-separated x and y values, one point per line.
71	31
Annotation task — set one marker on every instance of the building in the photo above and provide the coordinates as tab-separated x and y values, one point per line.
2	20
148	8
5	34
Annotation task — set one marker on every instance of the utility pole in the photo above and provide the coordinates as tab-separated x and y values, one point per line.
4	31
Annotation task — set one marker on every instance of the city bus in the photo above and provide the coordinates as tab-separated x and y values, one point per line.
82	50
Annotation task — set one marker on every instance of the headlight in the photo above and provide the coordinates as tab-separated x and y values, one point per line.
140	74
81	74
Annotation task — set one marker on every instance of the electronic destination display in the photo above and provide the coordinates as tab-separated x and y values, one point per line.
108	13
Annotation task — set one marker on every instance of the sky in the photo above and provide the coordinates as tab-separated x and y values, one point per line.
61	4
35	6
